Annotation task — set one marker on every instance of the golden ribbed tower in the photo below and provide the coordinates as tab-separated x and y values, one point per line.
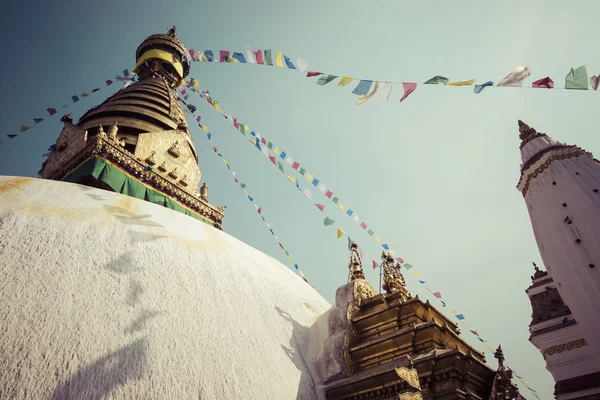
137	142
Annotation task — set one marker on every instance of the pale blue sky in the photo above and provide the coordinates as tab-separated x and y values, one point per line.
434	176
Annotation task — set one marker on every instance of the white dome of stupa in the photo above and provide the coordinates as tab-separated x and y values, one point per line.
103	296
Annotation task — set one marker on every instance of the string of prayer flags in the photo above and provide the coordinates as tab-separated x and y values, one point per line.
478	88
409	87
515	77
577	79
544	83
251	199
470	82
51	111
438	80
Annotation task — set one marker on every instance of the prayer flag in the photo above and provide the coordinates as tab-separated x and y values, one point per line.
349	242
296	266
210	56
126	72
362	88
315	182
291	179
24	128
422	282
11	136
363	99
75	99
577	79
438	295
84	94
545	83
355	218
302	65
279	60
416	274
345	80
282	155
329	194
302	171
259	210
343	207
250	55
377	240
328	221
462	83
310	74
349	212
273	160
109	82
193	54
385	90
363	225
268	57
407	266
515	77
594	81
340	232
375	265
335	200
385	246
95	90
320	207
309	177
51	111
288	62
325	79
280	166
400	260
409	87
460	316
240	57
481	340
38	120
370	232
474	332
436	80
478	88
295	165
307	193
322	187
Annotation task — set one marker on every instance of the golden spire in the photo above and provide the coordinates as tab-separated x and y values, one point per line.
502	388
355	264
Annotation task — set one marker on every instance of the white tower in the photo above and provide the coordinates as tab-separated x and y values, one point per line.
561	187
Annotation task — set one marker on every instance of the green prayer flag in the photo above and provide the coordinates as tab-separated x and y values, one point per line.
577	79
335	200
325	79
243	185
302	171
407	266
328	221
436	80
280	166
270	145
268	57
370	232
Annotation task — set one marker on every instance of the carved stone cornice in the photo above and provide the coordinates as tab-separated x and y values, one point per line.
561	348
101	146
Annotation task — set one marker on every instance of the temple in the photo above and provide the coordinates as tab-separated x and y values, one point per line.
395	346
560	184
137	142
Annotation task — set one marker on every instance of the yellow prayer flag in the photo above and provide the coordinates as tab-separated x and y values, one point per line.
490	349
291	179
279	60
205	128
463	83
345	80
268	224
340	232
246	193
309	176
416	274
291	258
363	99
343	207
216	106
246	128
276	151
225	161
378	240
452	310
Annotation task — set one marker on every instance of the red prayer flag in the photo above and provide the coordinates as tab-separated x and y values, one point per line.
223	55
305	279
259	56
363	225
183	92
544	83
329	194
192	53
273	160
280	245
263	140
400	260
375	265
409	87
295	165
235	123
236	180
320	207
474	333
109	82
438	295
259	209
215	149
51	111
310	74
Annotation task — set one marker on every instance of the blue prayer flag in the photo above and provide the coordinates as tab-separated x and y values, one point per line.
363	88
253	133
282	155
478	88
126	72
315	182
349	242
75	99
258	145
240	57
250	198
296	266
385	246
422	282
460	316
349	212
288	62
209	135
210	56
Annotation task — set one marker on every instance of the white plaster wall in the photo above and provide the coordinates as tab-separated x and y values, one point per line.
103	296
567	261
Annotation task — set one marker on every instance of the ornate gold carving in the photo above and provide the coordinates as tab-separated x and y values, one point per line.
175	150
410	375
173	174
163	166
355	264
184	181
363	291
410	396
112	131
150	159
393	280
561	348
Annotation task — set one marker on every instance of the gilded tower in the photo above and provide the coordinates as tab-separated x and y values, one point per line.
137	142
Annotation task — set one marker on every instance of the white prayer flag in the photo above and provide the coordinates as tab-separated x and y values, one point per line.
302	65
516	77
385	90
250	55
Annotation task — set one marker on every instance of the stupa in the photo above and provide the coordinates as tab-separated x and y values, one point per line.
561	187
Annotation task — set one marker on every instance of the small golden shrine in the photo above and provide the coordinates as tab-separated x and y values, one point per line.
137	142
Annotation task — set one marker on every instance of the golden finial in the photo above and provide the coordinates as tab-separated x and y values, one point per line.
355	264
171	31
